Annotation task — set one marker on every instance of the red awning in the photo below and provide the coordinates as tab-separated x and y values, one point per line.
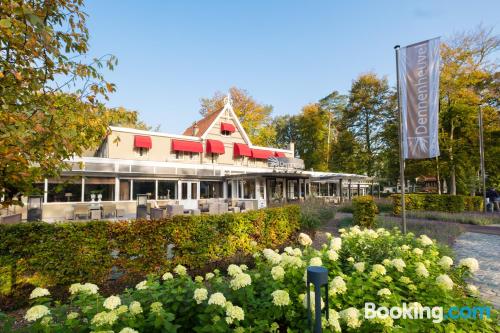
189	146
227	127
215	147
261	154
141	141
241	149
279	154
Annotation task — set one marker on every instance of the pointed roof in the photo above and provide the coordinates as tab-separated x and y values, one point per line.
203	124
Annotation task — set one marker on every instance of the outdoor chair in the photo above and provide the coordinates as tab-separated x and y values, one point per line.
157	213
175	210
109	210
81	210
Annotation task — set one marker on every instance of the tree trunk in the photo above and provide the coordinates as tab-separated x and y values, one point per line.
453	184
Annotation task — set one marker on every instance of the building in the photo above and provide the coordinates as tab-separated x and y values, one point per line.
212	160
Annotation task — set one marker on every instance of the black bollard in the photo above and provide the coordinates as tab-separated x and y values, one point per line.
318	276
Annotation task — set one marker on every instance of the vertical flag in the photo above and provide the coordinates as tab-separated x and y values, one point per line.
419	98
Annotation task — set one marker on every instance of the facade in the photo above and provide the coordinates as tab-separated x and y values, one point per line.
212	160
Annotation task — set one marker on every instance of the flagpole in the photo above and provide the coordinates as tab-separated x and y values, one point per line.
401	156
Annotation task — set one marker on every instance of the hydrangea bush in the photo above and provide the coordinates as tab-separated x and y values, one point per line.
386	268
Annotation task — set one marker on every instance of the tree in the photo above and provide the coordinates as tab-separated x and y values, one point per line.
365	115
42	121
123	117
335	105
467	82
254	116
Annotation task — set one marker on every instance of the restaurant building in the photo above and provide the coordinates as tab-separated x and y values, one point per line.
213	159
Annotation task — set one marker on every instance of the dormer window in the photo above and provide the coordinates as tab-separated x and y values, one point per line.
227	129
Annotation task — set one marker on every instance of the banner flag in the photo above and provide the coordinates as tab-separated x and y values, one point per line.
419	98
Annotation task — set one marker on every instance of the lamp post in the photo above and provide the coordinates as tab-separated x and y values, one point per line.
142	206
35	208
318	276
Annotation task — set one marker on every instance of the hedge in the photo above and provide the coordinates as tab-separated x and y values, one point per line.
438	203
364	211
44	254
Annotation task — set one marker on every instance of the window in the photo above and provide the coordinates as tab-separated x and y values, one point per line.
142	151
323	188
210	190
124	189
96	187
184	191
143	187
167	190
179	155
194	191
215	157
64	190
248	188
226	133
293	189
229	189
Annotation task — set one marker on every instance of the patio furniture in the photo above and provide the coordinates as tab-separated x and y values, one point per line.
10	219
157	213
222	207
234	209
109	209
120	212
175	210
95	212
81	210
195	211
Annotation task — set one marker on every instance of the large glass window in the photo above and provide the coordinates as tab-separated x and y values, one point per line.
184	191
248	188
194	190
124	189
64	189
99	187
293	189
143	187
210	190
314	189
323	189
167	190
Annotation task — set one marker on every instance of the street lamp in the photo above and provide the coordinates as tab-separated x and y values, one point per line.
318	276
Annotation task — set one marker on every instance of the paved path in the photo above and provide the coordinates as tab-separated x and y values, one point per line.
486	249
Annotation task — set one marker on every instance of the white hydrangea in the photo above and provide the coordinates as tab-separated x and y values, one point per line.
278	273
297	252
88	288
39	292
336	243
332	255
271	256
386	262
142	285
421	270
217	299
198	278
333	320
405	280
445	262
233	269
200	294
404	247
128	330
303	299
337	286
240	280
104	318
167	276
399	264
135	308
418	251
470	263
328	235
350	259
385	321
280	298
180	270
209	275
121	309
112	302
444	282
72	315
156	307
304	240
316	261
290	261
233	313
424	240
36	312
378	269
288	250
384	292
351	317
472	289
359	266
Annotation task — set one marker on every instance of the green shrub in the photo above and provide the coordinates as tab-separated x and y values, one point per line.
63	253
437	202
314	213
364	211
382	267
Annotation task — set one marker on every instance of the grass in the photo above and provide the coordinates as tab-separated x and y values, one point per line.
466	218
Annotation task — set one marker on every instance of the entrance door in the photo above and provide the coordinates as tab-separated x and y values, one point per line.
189	194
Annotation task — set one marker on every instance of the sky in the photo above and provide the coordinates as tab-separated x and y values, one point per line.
284	53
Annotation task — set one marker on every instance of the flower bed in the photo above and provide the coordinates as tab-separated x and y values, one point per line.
382	267
43	254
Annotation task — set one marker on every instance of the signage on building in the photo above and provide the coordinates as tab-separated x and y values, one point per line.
285	163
